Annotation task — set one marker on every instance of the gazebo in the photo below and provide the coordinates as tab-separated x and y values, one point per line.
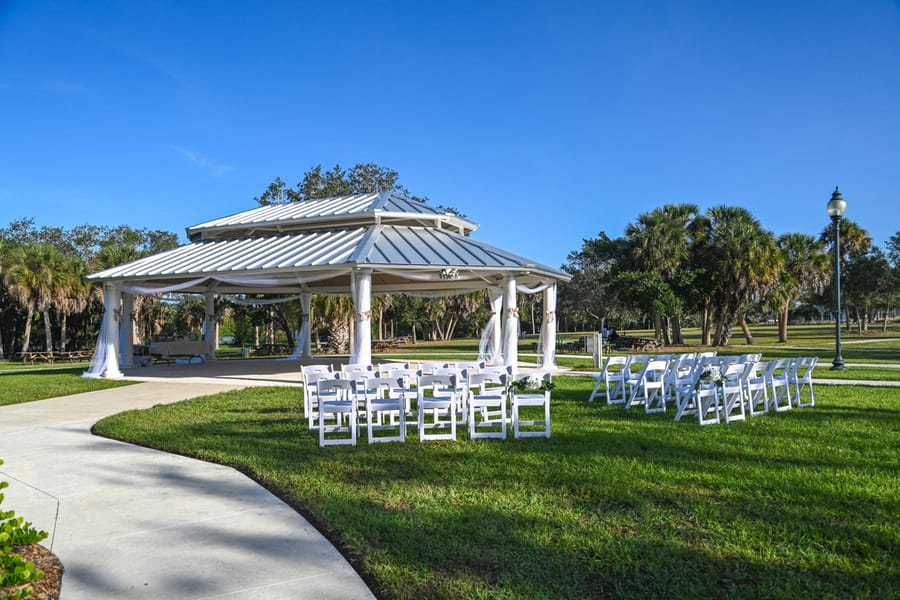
357	245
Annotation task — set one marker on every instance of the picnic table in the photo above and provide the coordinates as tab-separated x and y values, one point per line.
51	357
626	342
390	344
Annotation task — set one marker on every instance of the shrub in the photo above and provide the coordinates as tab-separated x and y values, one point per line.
15	573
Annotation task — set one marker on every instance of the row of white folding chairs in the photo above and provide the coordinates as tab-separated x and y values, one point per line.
744	388
457	396
624	376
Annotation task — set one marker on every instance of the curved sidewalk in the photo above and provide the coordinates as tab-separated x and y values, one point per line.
129	522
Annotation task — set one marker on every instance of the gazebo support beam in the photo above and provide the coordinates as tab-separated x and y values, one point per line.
111	303
510	325
305	325
126	331
209	325
549	329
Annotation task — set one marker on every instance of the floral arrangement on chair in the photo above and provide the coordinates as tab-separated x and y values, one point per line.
711	374
532	385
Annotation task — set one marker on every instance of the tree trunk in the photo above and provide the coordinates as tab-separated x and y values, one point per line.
677	337
705	325
26	337
1	343
783	323
62	332
746	329
48	332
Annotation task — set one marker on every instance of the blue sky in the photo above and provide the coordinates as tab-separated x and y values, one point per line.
545	122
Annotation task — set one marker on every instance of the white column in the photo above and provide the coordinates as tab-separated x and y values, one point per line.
111	304
511	325
496	297
549	329
364	317
305	324
126	332
209	326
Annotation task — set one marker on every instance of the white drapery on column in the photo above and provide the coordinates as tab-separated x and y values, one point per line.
126	332
105	362
361	288
490	350
305	325
548	329
510	325
209	326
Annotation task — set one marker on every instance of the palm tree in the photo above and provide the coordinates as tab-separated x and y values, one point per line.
72	295
30	277
743	264
807	268
661	242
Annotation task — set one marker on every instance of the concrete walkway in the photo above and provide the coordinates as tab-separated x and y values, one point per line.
128	522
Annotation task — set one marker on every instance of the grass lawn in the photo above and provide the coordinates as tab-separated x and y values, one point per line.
616	504
36	383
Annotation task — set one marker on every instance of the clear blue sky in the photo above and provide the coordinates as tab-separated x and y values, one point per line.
545	122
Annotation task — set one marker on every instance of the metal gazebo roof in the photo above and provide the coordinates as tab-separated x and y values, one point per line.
314	245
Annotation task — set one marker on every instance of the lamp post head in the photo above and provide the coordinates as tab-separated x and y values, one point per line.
837	205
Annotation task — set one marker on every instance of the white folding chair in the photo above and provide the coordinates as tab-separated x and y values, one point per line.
380	403
732	389
778	384
756	388
686	392
436	395
487	405
311	394
650	388
613	378
633	374
337	400
406	389
527	400
679	374
801	377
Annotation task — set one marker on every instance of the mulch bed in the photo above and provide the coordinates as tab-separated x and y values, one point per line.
46	588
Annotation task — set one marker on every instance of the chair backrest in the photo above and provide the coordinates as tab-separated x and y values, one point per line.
341	388
408	376
616	361
376	387
307	369
487	382
386	367
469	365
428	368
734	372
708	354
655	369
496	370
803	367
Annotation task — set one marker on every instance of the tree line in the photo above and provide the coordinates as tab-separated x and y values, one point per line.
673	267
722	268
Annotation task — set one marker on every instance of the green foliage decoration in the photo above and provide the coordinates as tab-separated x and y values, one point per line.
14	571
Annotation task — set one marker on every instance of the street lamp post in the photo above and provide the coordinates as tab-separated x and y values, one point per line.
836	208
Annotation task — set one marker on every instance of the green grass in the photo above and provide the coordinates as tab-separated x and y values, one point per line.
617	504
35	383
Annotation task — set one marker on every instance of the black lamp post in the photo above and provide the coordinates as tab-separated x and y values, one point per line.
836	208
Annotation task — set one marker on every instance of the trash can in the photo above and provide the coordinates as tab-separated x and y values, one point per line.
245	352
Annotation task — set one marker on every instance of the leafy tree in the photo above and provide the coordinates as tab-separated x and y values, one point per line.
743	263
660	242
360	179
807	269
